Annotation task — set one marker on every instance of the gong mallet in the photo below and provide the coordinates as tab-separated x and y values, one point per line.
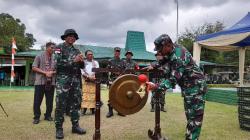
3	110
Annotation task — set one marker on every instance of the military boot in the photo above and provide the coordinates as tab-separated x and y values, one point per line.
152	108
59	133
78	130
110	113
163	109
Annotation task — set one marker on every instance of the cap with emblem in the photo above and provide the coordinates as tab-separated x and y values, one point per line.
117	49
69	32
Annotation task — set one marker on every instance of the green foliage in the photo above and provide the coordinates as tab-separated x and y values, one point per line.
232	57
11	27
188	38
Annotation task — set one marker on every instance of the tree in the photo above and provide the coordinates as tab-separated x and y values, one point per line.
11	27
188	38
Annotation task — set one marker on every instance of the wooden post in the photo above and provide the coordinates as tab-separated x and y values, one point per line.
156	134
97	135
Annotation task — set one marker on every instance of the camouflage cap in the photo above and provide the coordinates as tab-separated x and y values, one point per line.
129	52
117	49
69	32
160	41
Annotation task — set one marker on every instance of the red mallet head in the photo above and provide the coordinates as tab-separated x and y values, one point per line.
143	78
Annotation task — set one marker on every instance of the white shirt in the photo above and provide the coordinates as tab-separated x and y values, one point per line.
88	67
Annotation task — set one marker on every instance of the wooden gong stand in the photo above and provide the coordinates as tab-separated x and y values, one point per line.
153	135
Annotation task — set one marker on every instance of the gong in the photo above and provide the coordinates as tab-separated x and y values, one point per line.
127	95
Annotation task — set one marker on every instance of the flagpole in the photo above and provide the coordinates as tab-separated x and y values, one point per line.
13	52
177	20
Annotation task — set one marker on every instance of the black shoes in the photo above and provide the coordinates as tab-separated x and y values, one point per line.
83	111
152	110
36	121
48	118
75	129
78	130
110	113
163	109
59	133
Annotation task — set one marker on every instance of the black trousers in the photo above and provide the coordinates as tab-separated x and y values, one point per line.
40	90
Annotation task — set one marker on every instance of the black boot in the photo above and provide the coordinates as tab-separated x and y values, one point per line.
78	130
110	113
84	111
152	108
59	133
163	109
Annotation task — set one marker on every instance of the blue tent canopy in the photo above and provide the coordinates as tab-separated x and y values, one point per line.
235	38
242	26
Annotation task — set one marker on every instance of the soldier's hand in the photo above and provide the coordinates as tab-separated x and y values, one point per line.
79	58
148	68
151	86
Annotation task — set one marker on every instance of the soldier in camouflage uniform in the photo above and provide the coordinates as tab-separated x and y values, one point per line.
129	63
158	65
115	62
68	61
187	74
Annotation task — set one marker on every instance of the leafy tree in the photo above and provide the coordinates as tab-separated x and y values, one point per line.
188	38
11	27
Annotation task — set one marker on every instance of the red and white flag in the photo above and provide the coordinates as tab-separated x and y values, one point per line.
13	52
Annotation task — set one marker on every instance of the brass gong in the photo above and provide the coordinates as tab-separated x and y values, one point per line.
126	94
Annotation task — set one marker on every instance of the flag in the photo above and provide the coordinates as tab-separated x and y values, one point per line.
13	52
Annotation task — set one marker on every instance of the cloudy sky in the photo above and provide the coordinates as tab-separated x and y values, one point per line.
106	22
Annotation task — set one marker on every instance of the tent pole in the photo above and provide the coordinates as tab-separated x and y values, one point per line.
196	53
241	64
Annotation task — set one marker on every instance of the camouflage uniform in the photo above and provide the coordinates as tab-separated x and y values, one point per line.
118	64
130	64
115	63
157	78
184	71
68	83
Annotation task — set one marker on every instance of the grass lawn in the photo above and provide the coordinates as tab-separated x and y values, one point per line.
220	121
